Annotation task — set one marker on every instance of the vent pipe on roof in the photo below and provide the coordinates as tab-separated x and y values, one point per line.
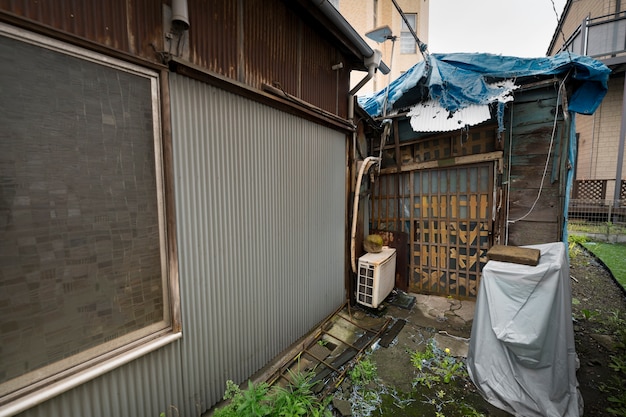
180	15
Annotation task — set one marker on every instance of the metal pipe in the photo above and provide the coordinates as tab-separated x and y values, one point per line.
180	15
620	151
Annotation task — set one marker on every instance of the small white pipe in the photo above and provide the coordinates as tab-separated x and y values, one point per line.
355	209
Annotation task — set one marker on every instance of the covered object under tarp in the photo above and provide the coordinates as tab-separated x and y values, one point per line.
522	356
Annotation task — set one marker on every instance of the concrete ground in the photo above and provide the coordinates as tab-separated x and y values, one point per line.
447	320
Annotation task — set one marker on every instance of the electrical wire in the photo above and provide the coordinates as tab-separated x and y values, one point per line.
556	14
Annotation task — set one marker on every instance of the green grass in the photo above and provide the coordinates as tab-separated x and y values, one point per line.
613	255
606	228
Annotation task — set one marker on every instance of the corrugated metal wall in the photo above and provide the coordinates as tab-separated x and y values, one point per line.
144	387
255	42
260	205
131	26
260	214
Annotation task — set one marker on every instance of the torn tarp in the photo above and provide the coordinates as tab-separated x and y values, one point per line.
460	80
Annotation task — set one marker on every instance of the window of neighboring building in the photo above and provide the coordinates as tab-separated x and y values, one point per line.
407	41
83	253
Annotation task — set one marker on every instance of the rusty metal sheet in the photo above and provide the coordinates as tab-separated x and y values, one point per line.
130	26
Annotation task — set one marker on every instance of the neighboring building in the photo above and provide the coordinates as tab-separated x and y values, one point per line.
596	28
173	196
367	15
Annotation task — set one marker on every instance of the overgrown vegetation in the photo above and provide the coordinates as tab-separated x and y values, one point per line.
259	400
363	372
435	365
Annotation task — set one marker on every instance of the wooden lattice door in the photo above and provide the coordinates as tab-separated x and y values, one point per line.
448	214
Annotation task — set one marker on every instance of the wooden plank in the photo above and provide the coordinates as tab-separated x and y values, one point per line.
459	160
391	334
514	254
341	360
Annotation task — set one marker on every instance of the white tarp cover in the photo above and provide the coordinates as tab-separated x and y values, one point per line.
521	354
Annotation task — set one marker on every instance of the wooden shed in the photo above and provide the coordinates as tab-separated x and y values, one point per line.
479	153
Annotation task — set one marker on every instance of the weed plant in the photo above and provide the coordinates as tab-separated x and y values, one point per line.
364	399
260	400
435	365
363	372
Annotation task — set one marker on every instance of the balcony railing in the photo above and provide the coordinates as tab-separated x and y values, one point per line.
601	37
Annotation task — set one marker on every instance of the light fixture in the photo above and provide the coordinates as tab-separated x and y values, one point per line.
381	34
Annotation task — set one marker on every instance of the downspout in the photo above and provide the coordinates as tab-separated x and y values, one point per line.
371	63
620	152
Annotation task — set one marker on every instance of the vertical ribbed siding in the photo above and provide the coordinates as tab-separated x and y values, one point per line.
270	45
131	26
144	387
260	218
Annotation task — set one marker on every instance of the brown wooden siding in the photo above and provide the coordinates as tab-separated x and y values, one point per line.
532	117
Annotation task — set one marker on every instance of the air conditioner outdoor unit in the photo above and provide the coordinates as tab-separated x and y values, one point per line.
376	277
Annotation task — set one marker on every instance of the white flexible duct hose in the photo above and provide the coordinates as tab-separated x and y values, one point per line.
355	209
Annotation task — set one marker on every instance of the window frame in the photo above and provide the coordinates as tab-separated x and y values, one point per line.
41	384
406	36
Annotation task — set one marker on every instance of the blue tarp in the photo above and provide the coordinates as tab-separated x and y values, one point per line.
458	80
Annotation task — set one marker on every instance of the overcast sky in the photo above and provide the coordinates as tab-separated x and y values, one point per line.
521	28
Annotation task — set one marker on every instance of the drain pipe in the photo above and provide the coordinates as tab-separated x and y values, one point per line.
371	63
370	160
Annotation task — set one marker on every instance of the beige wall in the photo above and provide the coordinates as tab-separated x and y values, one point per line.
360	14
599	134
581	9
598	143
